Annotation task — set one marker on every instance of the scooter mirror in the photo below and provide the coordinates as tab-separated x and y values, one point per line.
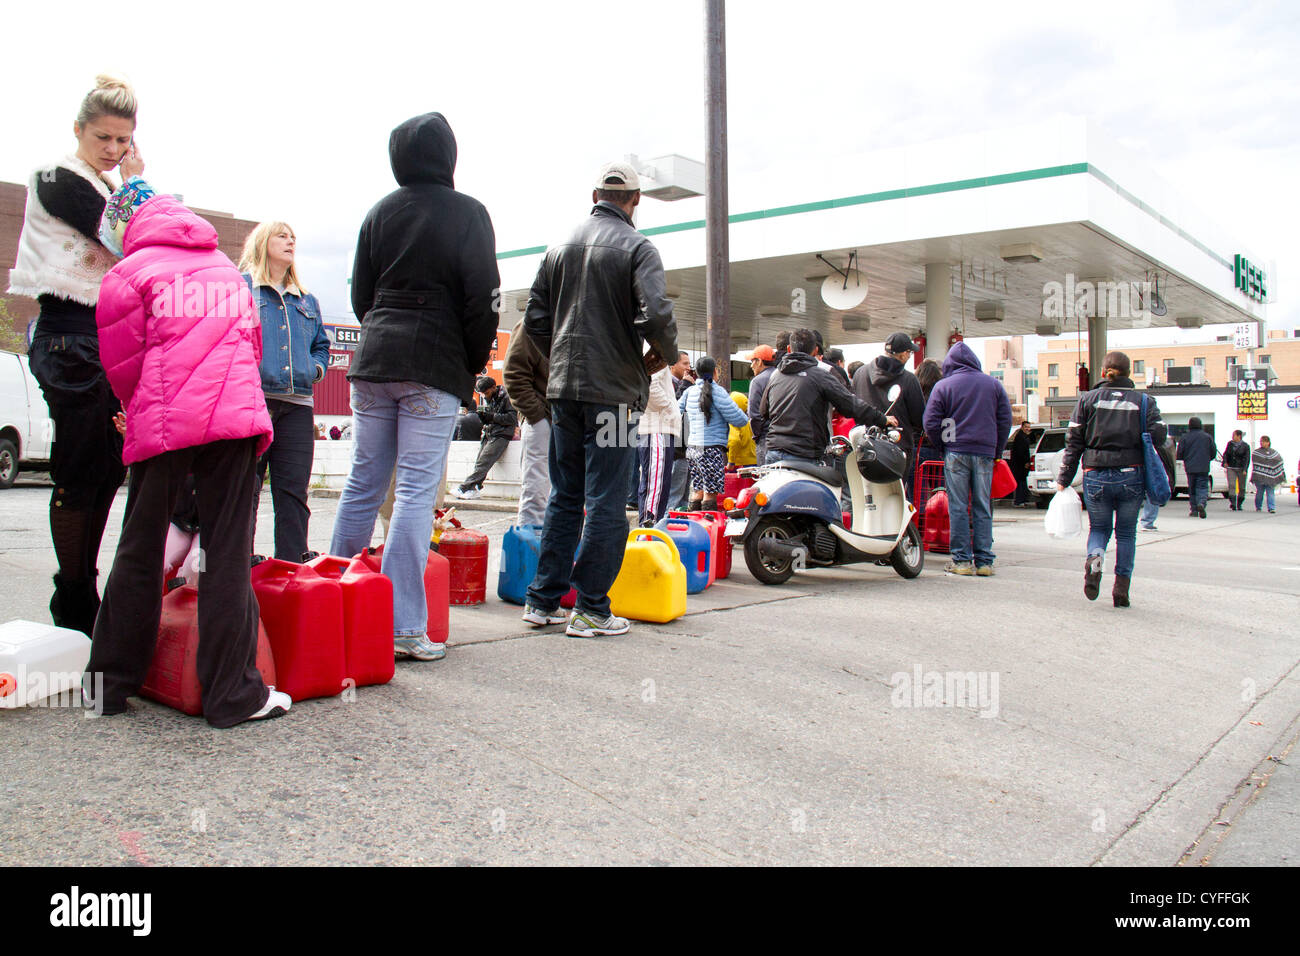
894	391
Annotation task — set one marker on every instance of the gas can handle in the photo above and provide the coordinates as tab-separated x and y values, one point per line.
655	533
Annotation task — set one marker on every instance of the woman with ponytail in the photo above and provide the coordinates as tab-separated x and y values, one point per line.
61	263
711	411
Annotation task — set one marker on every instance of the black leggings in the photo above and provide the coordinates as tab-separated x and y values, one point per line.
86	463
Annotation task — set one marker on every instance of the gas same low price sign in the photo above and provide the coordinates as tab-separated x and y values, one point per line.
1252	395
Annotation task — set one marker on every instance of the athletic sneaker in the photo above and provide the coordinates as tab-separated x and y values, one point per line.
985	571
277	705
585	624
420	648
468	494
1145	527
539	618
960	567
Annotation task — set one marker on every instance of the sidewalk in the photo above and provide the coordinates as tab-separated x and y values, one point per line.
769	725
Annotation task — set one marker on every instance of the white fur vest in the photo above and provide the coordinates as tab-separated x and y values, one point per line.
53	257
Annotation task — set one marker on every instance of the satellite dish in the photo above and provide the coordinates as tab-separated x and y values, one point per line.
844	292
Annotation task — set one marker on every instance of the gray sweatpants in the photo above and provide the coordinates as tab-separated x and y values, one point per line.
535	473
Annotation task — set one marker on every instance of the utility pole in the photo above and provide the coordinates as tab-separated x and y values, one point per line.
718	256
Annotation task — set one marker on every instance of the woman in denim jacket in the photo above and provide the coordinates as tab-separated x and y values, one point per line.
295	355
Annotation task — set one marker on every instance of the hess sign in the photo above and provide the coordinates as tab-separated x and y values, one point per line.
1249	279
1252	395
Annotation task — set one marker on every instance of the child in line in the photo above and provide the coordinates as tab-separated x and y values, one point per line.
181	342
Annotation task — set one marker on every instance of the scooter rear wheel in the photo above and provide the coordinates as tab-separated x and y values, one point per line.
908	558
767	570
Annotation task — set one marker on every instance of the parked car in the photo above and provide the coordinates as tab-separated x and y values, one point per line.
1046	443
1218	479
26	431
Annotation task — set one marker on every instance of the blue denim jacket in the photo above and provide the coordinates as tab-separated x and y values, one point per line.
295	348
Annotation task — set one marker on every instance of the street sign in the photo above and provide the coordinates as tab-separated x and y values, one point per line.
1252	395
1246	335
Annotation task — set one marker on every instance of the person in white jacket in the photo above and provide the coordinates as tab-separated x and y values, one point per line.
659	430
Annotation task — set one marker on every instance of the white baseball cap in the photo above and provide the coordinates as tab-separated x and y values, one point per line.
618	176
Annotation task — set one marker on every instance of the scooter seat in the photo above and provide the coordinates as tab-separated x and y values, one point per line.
818	471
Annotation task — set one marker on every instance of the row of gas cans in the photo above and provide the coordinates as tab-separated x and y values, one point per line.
684	554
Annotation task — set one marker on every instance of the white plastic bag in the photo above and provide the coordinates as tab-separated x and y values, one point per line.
1063	519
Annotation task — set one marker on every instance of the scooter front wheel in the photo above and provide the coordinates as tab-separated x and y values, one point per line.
909	556
769	570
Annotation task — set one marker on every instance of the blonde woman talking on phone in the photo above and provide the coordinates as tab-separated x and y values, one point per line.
61	263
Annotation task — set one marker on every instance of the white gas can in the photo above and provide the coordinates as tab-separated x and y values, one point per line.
39	661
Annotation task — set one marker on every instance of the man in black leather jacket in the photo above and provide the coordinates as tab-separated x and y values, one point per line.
598	295
1236	462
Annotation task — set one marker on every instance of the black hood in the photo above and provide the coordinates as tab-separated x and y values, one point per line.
423	150
792	363
884	371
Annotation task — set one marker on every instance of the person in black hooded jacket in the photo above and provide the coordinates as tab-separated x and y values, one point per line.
423	283
872	383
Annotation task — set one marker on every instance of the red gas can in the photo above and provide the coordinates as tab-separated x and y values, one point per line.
720	544
936	536
733	484
436	577
173	677
467	553
367	617
303	614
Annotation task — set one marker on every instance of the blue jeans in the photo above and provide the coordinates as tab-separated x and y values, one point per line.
408	425
1114	496
969	481
1198	489
1260	491
1150	511
591	456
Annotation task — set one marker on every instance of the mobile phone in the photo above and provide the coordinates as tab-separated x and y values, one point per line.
129	146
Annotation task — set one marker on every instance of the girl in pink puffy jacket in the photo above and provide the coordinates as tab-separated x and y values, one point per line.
180	342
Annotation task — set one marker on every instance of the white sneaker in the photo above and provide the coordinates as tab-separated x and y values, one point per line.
468	494
583	624
277	705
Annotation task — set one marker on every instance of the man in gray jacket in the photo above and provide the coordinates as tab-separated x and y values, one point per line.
1196	450
597	297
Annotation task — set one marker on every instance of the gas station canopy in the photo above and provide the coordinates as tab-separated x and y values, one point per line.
1029	231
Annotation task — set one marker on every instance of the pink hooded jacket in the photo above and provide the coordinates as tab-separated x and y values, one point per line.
179	337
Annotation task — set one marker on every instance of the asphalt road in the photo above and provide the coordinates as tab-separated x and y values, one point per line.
769	725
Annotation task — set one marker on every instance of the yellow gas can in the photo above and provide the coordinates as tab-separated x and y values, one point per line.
651	584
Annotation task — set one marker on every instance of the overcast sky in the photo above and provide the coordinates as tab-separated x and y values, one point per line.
280	110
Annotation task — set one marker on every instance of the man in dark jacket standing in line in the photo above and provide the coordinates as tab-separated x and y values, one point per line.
525	375
872	383
967	420
795	412
1236	462
423	283
499	423
1196	451
597	297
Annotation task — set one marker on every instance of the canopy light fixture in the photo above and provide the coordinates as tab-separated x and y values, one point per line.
1021	252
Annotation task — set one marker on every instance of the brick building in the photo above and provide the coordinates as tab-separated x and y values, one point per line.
1057	375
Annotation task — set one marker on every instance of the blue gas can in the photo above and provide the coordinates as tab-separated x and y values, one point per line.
695	545
520	549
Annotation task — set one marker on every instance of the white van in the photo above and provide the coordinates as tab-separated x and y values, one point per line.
26	431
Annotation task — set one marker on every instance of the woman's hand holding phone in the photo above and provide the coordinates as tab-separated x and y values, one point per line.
131	163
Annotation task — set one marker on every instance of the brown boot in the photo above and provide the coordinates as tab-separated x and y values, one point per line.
1120	592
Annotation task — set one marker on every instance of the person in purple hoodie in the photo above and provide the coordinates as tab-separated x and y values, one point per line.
967	419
